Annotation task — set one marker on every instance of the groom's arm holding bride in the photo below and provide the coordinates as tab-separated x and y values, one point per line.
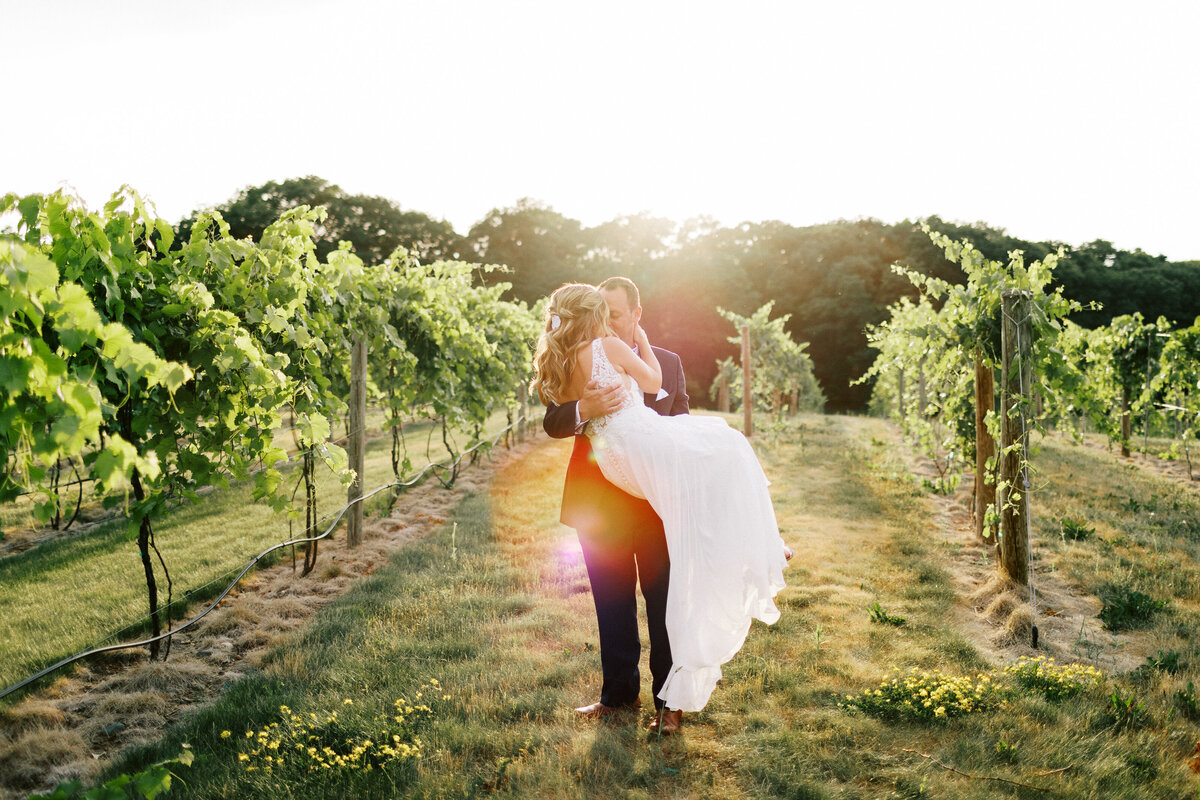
566	420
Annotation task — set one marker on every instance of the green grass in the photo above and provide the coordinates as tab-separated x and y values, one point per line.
501	617
67	595
1145	546
1168	447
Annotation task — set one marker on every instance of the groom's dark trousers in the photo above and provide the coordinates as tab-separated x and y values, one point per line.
623	544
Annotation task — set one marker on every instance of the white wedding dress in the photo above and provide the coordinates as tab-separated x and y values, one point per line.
727	558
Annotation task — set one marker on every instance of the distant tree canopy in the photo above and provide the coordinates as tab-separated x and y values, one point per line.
833	279
541	246
375	226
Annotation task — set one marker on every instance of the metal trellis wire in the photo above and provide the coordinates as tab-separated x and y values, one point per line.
522	419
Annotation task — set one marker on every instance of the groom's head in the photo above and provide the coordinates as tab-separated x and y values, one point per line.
624	306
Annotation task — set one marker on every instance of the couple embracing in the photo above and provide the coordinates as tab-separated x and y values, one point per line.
675	502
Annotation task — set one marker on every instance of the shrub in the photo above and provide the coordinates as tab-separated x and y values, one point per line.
928	696
1043	676
1164	661
1185	701
880	615
943	485
1124	609
1074	530
1125	710
327	744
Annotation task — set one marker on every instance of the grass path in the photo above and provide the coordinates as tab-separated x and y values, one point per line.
496	608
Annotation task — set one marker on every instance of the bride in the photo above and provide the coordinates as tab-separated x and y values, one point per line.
700	476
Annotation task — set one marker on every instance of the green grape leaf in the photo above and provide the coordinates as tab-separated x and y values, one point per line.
14	374
153	782
312	429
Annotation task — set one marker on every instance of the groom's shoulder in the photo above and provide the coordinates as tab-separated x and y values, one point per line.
664	353
666	357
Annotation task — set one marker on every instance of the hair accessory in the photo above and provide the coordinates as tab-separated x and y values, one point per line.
555	321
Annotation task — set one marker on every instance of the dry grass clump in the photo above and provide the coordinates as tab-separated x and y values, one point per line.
292	612
30	755
1003	604
131	708
1017	628
1000	608
33	713
996	586
169	677
253	639
241	614
294	607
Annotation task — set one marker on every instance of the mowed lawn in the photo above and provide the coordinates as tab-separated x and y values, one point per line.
495	608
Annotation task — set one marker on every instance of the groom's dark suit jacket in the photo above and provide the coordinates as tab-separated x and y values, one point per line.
587	493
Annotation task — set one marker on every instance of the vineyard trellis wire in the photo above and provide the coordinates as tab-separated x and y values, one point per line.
955	345
1067	376
166	365
518	425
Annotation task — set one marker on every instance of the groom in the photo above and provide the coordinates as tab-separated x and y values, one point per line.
621	536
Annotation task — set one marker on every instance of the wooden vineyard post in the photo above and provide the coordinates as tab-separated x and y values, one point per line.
985	443
523	402
1150	403
1125	432
794	406
1015	334
723	394
357	438
900	392
747	395
922	397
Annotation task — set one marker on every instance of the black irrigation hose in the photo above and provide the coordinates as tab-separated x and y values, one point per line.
142	643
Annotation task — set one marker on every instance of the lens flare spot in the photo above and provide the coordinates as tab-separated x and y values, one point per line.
570	554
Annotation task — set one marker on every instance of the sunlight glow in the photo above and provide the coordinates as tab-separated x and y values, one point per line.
1068	121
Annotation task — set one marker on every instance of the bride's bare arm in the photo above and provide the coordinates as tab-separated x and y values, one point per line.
642	366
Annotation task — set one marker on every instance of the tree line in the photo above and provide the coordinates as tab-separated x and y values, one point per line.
833	279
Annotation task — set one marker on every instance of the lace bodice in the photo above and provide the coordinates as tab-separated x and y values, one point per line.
605	374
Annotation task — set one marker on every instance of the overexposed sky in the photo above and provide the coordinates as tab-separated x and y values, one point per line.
1068	121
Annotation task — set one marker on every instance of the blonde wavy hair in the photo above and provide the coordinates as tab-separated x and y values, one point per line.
582	315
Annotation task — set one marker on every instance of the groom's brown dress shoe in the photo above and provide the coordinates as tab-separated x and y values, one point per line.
667	722
600	710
